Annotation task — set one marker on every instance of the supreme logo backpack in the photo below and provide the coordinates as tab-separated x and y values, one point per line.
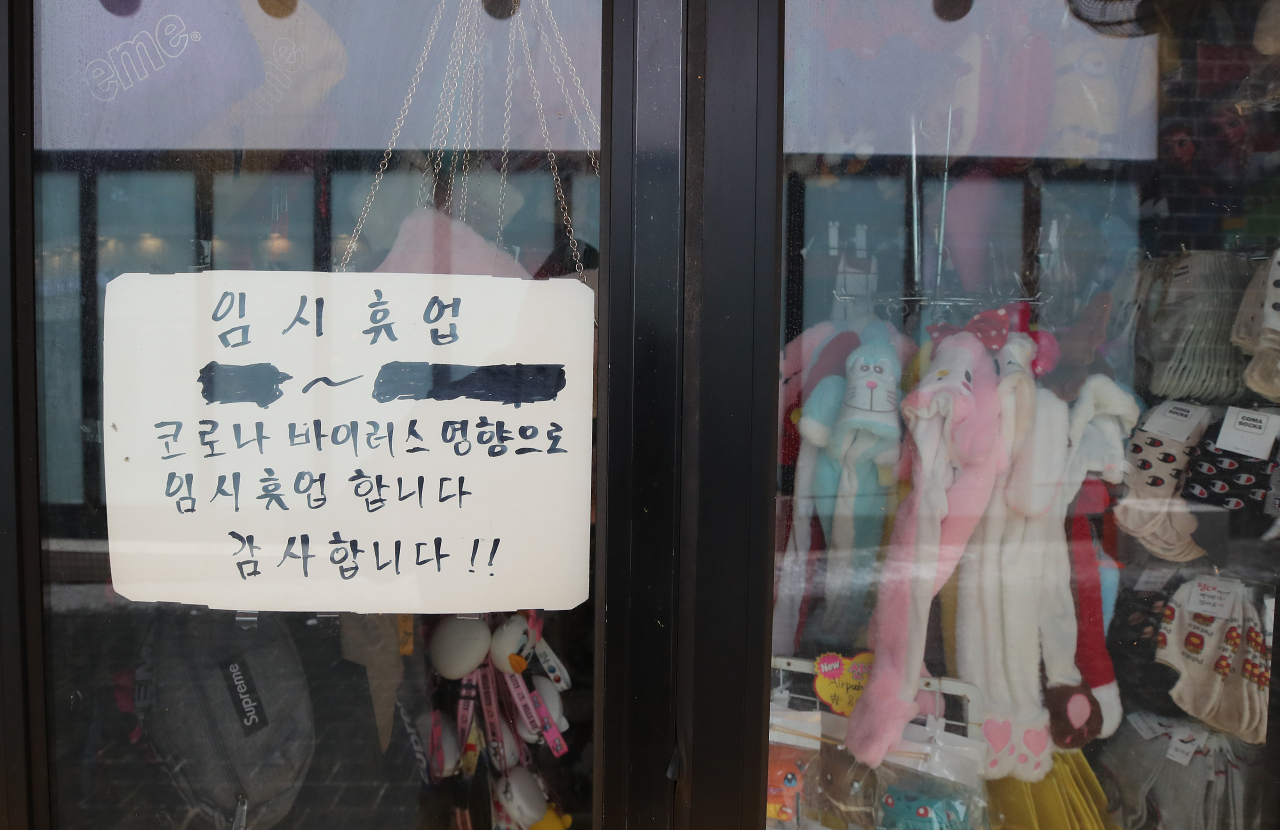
230	715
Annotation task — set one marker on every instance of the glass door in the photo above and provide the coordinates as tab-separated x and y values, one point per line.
196	165
1026	515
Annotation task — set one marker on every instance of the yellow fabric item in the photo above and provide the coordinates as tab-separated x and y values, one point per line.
1069	798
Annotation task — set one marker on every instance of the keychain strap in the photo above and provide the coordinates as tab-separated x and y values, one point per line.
492	717
550	732
467	705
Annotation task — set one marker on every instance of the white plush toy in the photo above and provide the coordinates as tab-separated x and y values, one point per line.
511	646
522	798
459	646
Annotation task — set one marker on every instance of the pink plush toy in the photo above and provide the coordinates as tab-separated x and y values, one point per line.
955	452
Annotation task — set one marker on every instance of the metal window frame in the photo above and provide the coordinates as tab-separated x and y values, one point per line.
688	327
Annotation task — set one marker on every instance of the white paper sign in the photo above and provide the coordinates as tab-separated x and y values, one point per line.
1212	595
1249	433
1155	577
1175	420
349	442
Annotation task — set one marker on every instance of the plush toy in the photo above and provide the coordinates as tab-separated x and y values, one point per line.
1097	426
458	646
787	765
552	821
857	464
512	646
1091	571
1080	345
980	620
508	755
902	809
521	797
819	394
954	453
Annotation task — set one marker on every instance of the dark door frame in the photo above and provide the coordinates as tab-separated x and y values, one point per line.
688	317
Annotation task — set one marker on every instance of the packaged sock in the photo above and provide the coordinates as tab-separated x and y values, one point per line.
1152	513
1233	481
1197	645
1131	764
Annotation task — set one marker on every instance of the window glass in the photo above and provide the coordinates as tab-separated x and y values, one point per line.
1027	493
202	139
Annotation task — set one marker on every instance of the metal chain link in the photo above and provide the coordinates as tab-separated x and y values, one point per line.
473	97
506	127
444	110
395	135
573	73
467	79
551	156
464	49
564	90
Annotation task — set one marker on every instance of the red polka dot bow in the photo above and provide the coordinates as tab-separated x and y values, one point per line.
991	327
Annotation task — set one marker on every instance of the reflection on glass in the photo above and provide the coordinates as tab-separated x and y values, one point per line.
146	223
58	276
263	222
1029	309
246	135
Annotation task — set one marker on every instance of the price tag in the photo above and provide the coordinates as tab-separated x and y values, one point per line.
1184	741
1148	725
1156	577
1175	420
1212	595
1249	433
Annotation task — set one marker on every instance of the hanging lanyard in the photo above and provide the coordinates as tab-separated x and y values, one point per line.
467	706
492	717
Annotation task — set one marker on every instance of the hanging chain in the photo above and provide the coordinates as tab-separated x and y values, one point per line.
464	85
444	110
551	156
564	90
573	73
466	79
472	98
395	135
506	128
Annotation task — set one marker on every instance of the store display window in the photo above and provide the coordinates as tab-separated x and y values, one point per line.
1027	512
283	589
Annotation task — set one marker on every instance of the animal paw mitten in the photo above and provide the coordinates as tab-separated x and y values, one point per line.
818	395
955	452
1092	658
980	619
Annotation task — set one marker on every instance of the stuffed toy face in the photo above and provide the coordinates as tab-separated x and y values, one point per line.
871	379
959	385
787	766
511	646
906	810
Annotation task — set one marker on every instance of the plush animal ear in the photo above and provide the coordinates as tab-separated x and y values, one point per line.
1019	316
1079	347
974	425
1048	353
974	428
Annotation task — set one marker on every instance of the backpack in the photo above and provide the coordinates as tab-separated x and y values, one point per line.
229	715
